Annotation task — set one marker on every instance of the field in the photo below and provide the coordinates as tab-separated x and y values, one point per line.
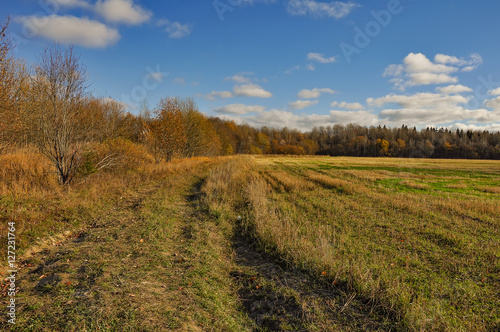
258	243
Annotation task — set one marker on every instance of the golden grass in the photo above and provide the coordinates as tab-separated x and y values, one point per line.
415	185
31	196
287	182
492	190
430	255
26	171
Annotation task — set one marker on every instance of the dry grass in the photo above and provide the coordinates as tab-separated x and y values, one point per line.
428	249
492	190
31	196
415	185
26	171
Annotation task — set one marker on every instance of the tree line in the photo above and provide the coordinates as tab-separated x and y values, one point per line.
47	105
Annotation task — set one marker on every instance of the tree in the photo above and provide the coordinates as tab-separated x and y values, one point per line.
58	88
166	132
382	147
201	137
13	87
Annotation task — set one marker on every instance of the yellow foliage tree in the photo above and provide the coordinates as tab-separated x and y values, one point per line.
166	133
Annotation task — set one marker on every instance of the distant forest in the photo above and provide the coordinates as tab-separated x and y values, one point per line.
46	105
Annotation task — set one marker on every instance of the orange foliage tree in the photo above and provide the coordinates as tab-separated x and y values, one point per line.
166	132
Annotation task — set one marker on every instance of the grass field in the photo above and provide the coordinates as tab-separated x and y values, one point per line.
258	243
420	237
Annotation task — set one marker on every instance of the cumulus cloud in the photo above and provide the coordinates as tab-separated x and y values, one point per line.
319	57
122	11
251	90
363	118
219	94
451	113
242	90
430	78
314	93
300	104
71	30
279	118
494	127
239	78
239	109
451	89
431	109
474	61
348	106
417	69
316	9
495	92
419	100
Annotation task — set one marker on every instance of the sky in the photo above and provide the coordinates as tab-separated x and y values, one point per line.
275	63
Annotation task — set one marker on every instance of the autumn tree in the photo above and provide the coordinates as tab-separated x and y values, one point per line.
166	134
382	147
201	137
14	79
58	88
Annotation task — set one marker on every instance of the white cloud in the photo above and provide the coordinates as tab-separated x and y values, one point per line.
417	69
475	60
348	106
251	90
176	30
219	94
495	92
71	30
430	78
393	70
493	103
315	9
468	68
243	90
239	78
418	63
278	118
239	109
74	3
314	93
319	57
419	100
494	127
300	104
310	67
451	89
122	11
363	118
291	70
434	116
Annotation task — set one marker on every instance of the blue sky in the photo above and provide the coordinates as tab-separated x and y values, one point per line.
295	63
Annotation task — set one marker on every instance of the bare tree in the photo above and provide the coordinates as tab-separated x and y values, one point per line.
59	86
